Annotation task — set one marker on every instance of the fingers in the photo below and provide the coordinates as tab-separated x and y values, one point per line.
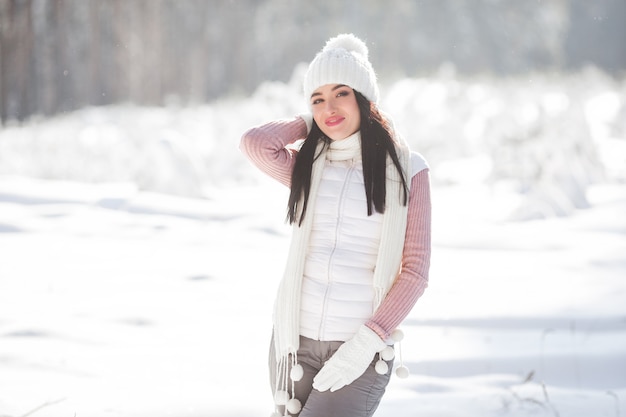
324	380
337	386
329	378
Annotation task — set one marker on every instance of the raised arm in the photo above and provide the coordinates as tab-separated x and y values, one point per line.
268	147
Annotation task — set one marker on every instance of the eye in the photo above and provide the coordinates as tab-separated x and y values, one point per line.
343	93
316	101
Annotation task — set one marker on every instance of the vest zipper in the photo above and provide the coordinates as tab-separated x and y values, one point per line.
342	199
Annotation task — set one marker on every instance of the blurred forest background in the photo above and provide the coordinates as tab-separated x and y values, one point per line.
130	221
61	55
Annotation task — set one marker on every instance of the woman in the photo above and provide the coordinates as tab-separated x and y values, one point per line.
360	249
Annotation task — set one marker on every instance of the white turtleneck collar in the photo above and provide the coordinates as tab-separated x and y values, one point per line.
345	149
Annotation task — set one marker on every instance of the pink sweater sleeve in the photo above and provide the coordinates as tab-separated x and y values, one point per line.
266	146
413	278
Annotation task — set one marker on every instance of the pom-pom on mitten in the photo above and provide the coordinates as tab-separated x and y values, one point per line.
397	335
402	372
387	353
381	367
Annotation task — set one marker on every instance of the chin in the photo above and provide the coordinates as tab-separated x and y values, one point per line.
338	135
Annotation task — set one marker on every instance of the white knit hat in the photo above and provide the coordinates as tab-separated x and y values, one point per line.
343	60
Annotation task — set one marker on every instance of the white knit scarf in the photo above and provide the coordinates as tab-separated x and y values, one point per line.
287	304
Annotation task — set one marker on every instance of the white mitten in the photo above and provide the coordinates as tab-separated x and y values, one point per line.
350	361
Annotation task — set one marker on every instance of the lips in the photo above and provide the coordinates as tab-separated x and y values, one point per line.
334	121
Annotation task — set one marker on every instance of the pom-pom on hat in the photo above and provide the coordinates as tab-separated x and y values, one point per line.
344	60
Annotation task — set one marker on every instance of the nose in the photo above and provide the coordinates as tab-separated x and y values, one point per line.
330	106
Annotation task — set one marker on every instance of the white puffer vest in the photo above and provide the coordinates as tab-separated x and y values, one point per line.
337	287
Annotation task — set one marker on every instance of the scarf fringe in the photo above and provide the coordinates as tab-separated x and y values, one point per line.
288	372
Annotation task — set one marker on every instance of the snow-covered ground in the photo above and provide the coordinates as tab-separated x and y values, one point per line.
140	254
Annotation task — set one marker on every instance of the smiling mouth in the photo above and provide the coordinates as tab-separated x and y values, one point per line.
334	121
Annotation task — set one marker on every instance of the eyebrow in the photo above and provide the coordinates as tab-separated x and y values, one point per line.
337	87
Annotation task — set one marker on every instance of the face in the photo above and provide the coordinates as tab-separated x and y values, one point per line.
336	111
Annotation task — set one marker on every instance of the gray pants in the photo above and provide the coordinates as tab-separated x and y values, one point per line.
359	399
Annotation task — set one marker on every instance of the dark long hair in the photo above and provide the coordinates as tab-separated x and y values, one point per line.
376	143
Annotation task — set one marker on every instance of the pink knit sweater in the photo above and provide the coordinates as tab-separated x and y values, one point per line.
267	147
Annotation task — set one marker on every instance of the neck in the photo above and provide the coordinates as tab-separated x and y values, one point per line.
345	149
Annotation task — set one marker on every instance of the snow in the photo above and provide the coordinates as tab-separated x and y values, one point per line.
141	254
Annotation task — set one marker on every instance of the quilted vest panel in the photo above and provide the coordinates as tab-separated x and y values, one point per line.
337	287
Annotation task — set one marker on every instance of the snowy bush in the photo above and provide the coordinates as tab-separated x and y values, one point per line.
546	137
543	137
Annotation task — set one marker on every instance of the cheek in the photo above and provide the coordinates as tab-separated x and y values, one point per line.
356	117
355	112
318	118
